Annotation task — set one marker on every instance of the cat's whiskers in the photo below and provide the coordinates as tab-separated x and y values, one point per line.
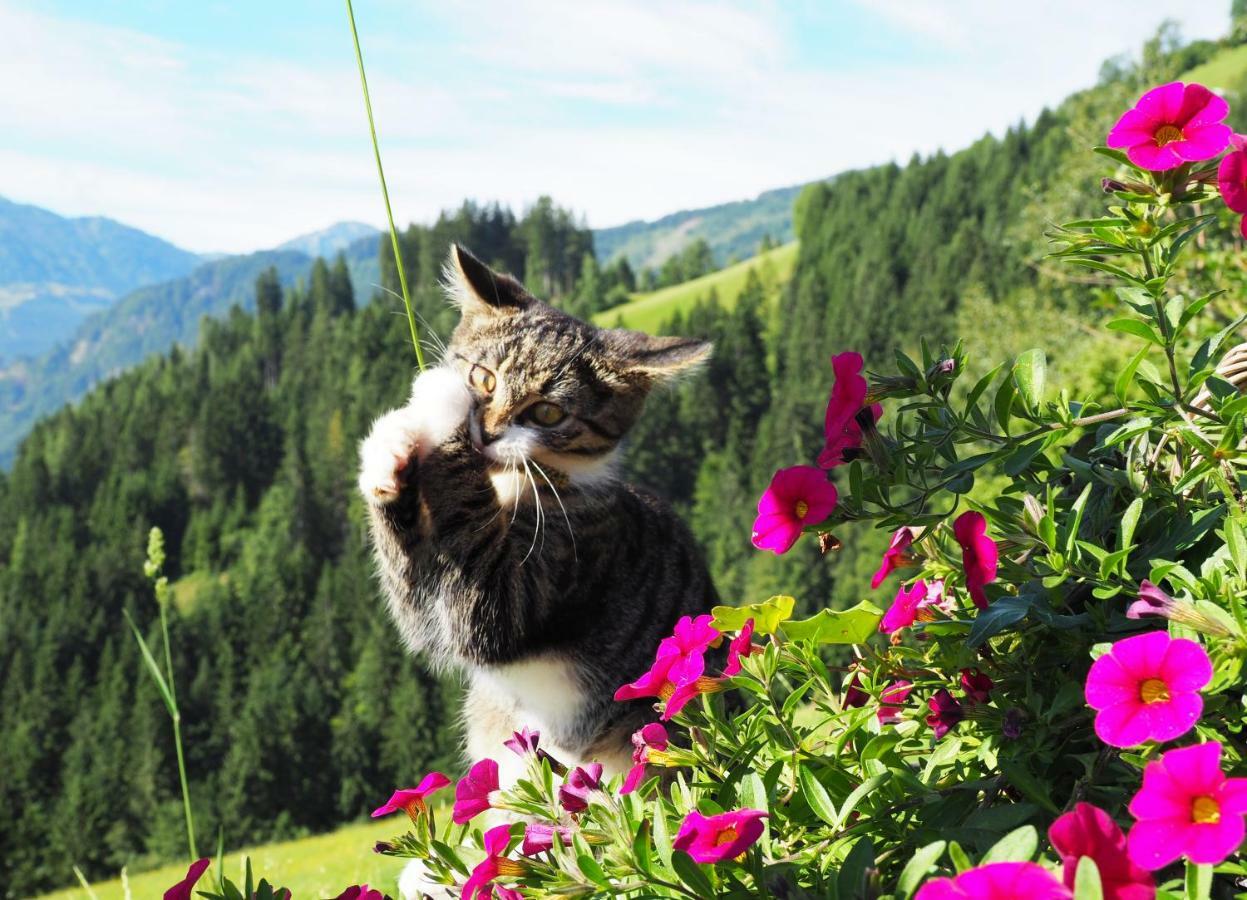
566	519
537	521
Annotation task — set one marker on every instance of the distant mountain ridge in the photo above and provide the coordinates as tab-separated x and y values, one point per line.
733	230
328	241
56	271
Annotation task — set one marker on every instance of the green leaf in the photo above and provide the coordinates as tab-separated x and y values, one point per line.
1087	880
1138	328
1028	785
1018	845
1121	387
960	860
854	625
1130	521
590	869
662	840
1198	881
153	667
816	795
766	615
999	616
852	880
1029	374
918	867
692	874
1002	404
855	797
1075	523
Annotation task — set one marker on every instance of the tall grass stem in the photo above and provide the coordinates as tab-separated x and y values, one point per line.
385	193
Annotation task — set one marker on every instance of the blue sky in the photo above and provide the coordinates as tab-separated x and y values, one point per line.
231	126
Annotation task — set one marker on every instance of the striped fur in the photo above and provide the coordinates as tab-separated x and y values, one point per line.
507	548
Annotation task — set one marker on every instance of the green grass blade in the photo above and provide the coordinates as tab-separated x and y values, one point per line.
385	193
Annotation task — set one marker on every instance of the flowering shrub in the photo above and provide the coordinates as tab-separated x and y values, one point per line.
1053	646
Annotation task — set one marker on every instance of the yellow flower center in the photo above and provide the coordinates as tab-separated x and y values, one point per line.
726	836
1153	691
510	868
801	509
1167	134
1205	811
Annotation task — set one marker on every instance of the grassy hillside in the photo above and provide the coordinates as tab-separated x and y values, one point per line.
319	866
648	312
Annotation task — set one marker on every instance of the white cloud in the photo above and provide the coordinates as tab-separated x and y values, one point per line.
620	110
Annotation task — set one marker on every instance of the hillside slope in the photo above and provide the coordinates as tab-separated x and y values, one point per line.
55	271
733	230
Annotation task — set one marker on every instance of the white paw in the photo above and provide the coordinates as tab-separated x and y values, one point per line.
415	883
439	405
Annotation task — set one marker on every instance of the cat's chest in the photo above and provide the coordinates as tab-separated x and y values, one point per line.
544	691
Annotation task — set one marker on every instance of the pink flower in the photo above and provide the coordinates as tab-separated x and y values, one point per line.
797	496
854	696
912	604
581	784
691	636
648	742
539	837
1152	602
976	685
476	792
897	556
978	554
479	885
523	742
1232	175
890	700
1089	831
946	712
1187	807
997	881
848	395
182	890
712	839
412	799
1171	125
360	892
740	647
1147	688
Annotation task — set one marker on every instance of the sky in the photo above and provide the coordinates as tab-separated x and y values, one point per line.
233	126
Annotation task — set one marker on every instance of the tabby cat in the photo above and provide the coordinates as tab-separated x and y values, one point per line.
507	545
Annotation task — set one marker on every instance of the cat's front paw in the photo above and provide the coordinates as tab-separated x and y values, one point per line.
388	457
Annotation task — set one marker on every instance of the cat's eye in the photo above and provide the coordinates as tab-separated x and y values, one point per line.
482	379
546	414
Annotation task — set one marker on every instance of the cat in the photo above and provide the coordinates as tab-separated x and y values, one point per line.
507	545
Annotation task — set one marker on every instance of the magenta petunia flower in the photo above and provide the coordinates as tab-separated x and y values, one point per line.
890	701
1152	602
691	636
539	837
649	745
978	554
412	799
1170	125
1147	688
797	496
523	742
712	839
997	881
480	884
1187	807
976	685
848	396
582	783
476	792
1232	175
946	712
854	696
360	892
897	556
738	648
913	604
1089	831
182	890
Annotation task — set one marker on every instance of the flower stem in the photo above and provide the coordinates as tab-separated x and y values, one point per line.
385	194
177	737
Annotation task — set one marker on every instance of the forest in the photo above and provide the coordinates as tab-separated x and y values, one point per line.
300	709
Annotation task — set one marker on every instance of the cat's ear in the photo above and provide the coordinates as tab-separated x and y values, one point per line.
477	289
653	359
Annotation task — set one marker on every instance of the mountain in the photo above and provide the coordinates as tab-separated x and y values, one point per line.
733	230
328	241
56	271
